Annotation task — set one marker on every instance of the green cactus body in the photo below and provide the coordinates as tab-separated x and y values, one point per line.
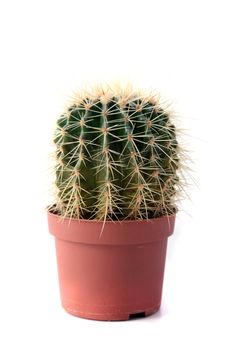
116	158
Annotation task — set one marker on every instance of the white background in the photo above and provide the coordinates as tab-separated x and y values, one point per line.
182	48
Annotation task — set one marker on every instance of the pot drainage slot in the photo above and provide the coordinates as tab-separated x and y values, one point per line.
137	315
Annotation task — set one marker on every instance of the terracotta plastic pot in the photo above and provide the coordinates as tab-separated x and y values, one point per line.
113	276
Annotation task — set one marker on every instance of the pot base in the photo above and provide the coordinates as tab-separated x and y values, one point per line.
112	317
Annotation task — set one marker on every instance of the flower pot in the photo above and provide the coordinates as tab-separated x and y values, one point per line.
115	275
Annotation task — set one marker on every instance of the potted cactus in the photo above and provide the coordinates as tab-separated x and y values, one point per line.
117	164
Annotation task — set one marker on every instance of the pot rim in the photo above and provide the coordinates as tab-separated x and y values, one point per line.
138	221
128	232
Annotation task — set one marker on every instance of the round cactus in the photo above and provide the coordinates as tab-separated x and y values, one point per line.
117	157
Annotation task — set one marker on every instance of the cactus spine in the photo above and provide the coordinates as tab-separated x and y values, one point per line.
117	157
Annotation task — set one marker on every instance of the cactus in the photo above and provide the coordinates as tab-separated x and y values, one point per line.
117	157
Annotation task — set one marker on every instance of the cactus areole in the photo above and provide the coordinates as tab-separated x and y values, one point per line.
117	163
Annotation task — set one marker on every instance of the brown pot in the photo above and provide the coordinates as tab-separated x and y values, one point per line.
115	275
